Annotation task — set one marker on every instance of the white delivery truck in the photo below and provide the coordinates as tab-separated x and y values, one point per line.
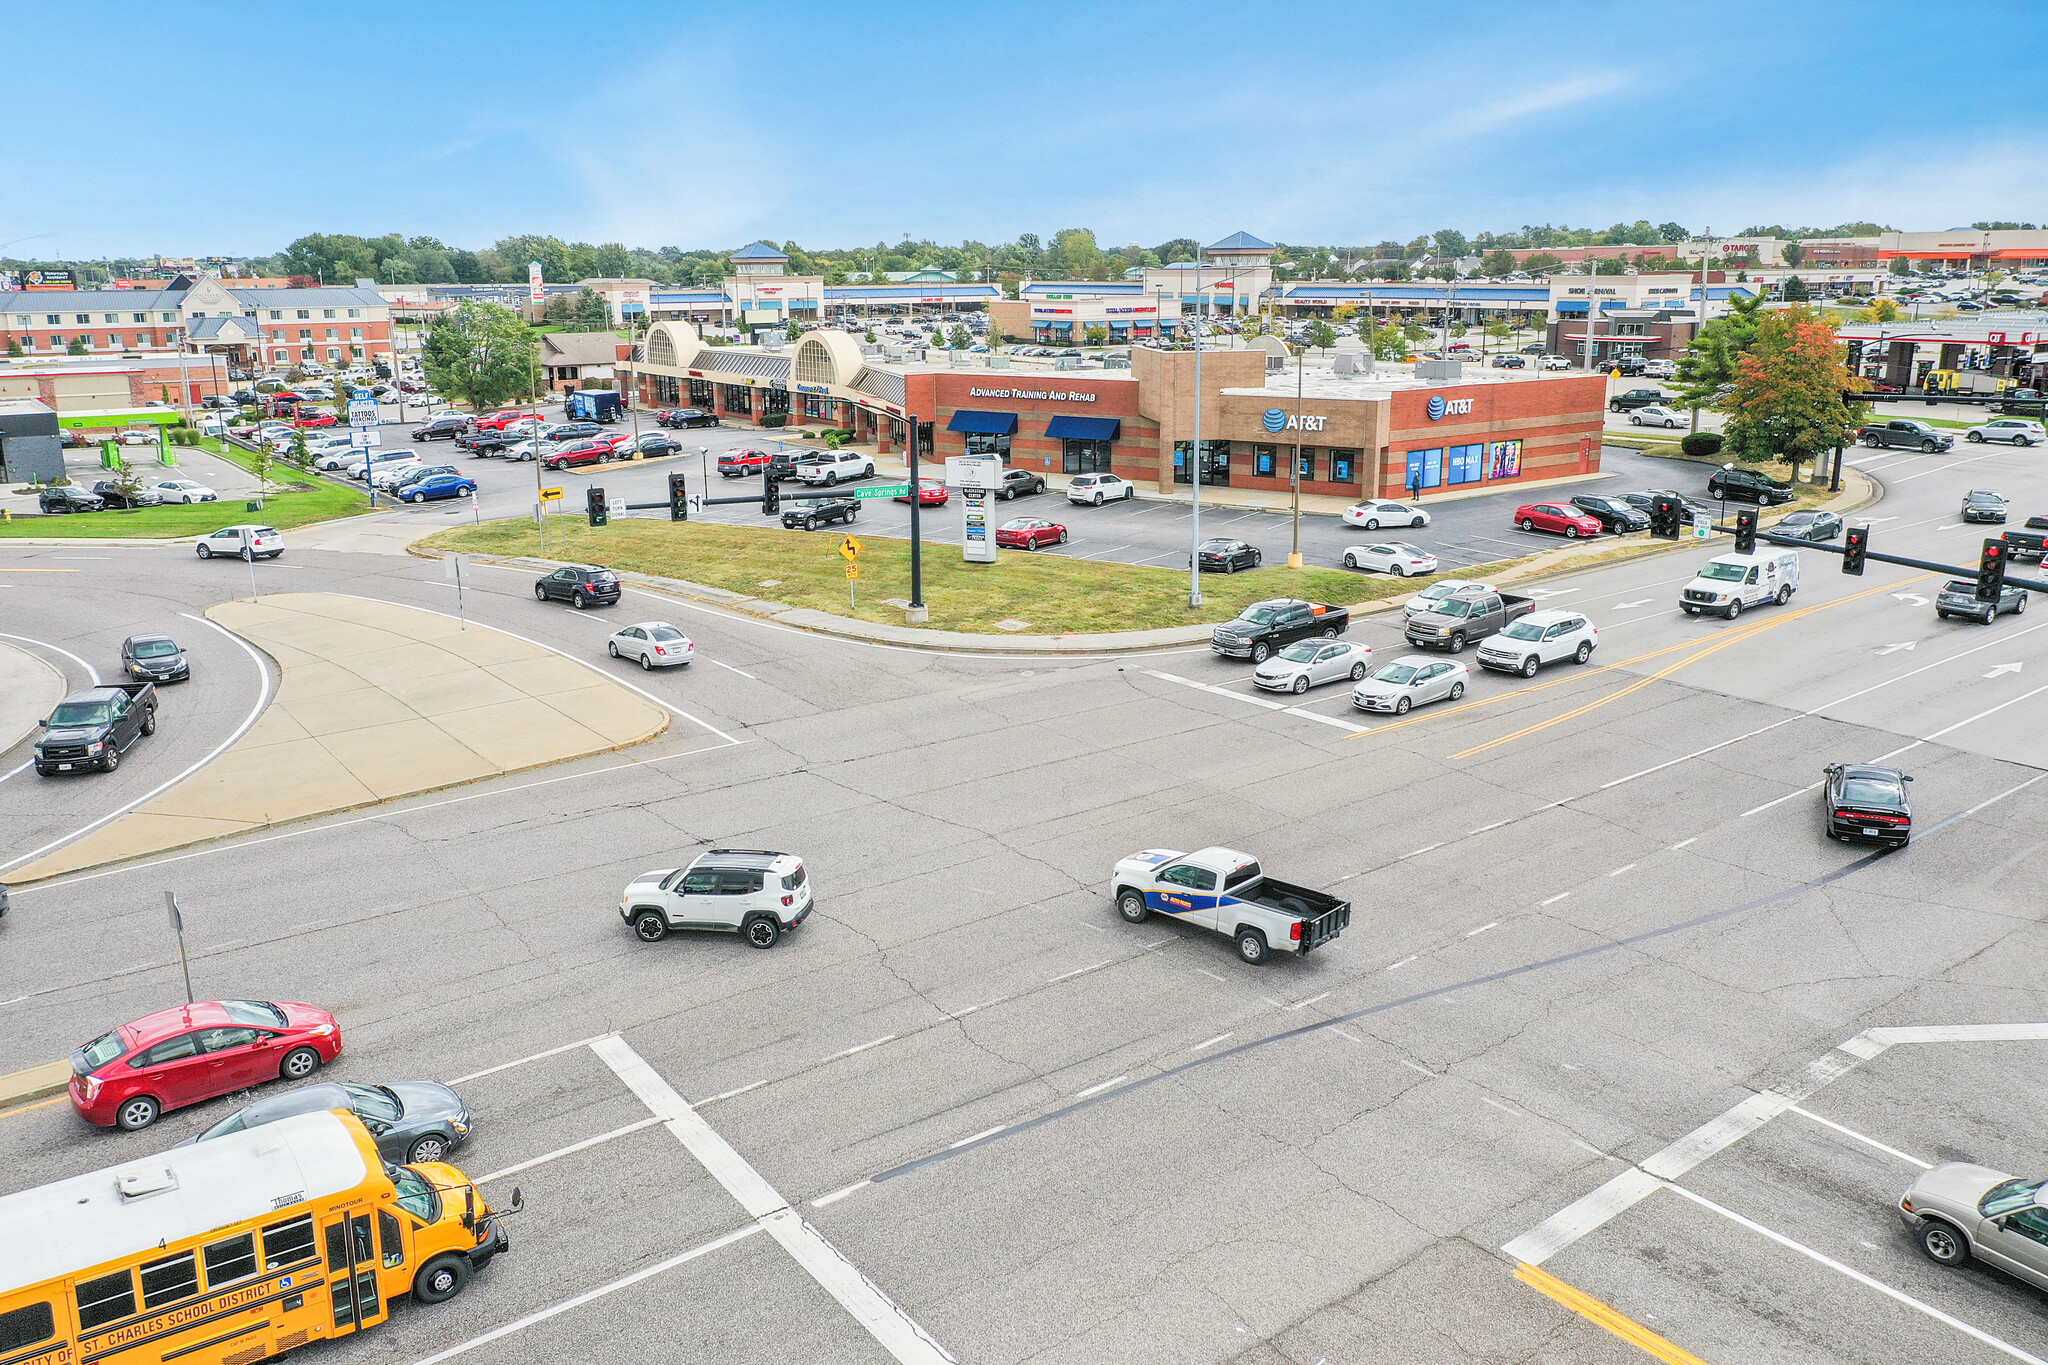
1728	583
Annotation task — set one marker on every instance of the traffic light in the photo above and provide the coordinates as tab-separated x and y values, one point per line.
1991	571
1664	517
593	502
771	493
1745	531
678	497
1855	541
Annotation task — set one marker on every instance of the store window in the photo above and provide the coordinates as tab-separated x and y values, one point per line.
738	397
700	393
775	400
667	391
1425	468
1343	466
1464	464
1308	463
333	353
1086	457
984	443
1264	460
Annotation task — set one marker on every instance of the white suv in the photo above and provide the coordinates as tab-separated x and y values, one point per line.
831	468
1541	637
747	891
1095	488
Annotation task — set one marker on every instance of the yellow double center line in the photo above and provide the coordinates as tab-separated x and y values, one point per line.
1701	648
1590	1308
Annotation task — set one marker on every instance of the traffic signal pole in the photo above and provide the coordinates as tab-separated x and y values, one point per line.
1793	542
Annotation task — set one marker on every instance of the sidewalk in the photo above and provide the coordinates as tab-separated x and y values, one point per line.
28	689
375	702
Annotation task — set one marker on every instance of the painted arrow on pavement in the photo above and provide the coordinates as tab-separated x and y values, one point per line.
1915	598
1892	649
2005	668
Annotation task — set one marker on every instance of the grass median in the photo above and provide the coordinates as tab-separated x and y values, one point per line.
1050	593
299	499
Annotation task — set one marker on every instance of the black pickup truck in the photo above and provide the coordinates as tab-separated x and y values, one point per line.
1275	623
94	727
811	515
1905	434
2030	543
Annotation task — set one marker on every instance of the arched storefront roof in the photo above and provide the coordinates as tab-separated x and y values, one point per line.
827	356
672	343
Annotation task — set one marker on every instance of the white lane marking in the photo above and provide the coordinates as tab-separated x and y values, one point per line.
1096	927
1516	1113
1811	786
645	1272
1474	933
871	1308
862	1047
90	671
1100	553
1417	1066
1865	1140
1079	970
1483	828
969	1141
2003	669
1992	801
1211	975
1625	867
1880	1286
1418	852
1310	1001
1555	899
1929	739
729	1094
1683	842
1101	1086
575	659
1210	1042
571	1149
730	669
22	769
856	1187
1344	725
1586	1214
522	1061
262	700
1396	966
1936	470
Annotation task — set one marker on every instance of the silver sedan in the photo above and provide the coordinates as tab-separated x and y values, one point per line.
1411	681
1306	663
652	644
1957	1211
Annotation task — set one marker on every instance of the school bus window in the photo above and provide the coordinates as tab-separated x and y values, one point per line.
168	1280
27	1325
391	1236
286	1243
234	1259
415	1195
106	1299
338	1242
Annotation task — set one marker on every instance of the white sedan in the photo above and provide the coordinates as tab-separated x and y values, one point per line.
2017	430
655	644
1411	681
1656	417
1373	514
185	490
1306	663
136	437
1394	557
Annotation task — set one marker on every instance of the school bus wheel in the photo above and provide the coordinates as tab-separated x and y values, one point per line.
440	1279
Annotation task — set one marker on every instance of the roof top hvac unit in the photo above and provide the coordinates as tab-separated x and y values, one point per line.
1353	364
1441	371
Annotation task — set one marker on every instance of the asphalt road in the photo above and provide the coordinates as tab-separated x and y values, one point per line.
1593	911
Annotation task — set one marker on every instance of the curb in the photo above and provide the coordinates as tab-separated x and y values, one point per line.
36	1083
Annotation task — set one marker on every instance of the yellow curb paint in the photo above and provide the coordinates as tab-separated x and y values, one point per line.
8	1113
1590	1308
34	1083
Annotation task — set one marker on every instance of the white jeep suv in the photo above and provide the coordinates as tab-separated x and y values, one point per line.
747	891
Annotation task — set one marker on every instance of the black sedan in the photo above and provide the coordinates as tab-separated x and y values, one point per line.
1809	526
413	1121
652	445
154	658
580	585
114	493
686	417
1746	485
571	431
1981	504
446	427
1863	802
1613	514
65	498
1227	556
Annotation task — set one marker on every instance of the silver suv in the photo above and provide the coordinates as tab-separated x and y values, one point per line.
748	891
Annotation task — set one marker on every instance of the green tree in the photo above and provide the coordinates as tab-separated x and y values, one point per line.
792	332
483	352
1785	402
1901	266
1095	334
591	313
1795	289
1672	232
1450	242
560	310
1708	367
1880	310
938	340
1610	265
1498	263
1543	262
871	336
77	346
300	456
960	337
1386	341
1498	330
1794	254
13	347
1321	335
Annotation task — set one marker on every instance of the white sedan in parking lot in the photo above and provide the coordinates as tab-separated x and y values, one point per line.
1374	513
653	644
185	490
1395	557
1656	417
1411	681
1306	663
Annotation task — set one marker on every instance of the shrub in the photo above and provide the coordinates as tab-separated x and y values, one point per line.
1701	443
832	441
774	419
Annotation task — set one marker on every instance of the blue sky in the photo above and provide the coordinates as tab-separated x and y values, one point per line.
225	128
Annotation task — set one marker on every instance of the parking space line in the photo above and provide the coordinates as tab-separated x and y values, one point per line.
1880	1286
645	1272
1866	1141
1101	1086
856	1187
1591	1309
522	1061
871	1308
570	1150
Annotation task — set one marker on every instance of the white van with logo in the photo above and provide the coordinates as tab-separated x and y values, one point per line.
1728	583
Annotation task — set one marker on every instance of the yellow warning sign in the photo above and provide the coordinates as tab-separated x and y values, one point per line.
850	548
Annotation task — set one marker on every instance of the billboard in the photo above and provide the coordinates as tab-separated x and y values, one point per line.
48	279
534	292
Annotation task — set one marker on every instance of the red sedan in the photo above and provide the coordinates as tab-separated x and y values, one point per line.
315	419
930	493
180	1056
1029	533
497	421
582	453
1551	516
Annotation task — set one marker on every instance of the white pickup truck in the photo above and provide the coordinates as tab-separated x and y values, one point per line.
837	465
1225	890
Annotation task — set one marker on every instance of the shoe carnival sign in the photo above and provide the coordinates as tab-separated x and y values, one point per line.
1055	395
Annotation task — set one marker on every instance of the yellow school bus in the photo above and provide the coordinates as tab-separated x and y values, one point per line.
233	1250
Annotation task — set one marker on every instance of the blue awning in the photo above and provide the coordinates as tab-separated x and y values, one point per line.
983	423
1571	305
1084	428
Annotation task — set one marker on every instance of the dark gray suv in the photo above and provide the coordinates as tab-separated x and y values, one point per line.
1019	483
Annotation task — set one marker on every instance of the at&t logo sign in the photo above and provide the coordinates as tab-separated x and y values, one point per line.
1277	420
1440	407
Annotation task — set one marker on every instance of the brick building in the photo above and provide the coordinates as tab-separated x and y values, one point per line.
333	326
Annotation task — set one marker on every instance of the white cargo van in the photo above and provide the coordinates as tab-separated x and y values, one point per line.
1728	583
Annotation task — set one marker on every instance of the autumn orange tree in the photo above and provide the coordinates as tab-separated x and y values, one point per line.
1785	402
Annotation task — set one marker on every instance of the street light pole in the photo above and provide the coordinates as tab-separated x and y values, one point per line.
1294	482
1195	452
